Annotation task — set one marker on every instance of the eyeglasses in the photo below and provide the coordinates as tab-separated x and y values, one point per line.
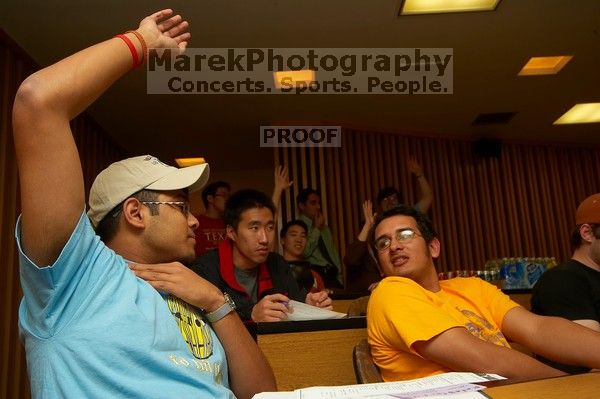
402	235
183	206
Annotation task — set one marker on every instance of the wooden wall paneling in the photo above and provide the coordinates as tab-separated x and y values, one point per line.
510	191
353	189
279	218
549	223
390	148
526	201
297	186
402	181
449	227
483	208
530	202
314	167
476	218
412	148
472	248
303	168
380	162
498	208
560	200
336	206
363	183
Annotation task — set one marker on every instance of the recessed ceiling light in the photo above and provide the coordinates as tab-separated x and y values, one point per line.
545	65
581	113
413	7
185	162
289	79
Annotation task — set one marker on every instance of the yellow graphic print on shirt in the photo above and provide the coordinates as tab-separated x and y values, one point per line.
483	329
194	330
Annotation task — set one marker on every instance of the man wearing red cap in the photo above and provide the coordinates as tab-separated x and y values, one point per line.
572	289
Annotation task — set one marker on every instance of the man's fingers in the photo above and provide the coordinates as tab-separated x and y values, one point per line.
170	23
326	304
276	315
157	16
178	29
277	298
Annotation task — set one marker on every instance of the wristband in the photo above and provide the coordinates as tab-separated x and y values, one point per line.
132	49
142	42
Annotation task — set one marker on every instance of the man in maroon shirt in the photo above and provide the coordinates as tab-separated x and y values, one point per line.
211	229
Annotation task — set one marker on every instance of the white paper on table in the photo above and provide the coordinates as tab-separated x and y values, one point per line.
303	311
397	387
459	395
277	395
452	391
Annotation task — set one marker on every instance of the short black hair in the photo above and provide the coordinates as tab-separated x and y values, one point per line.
423	223
386	192
576	239
211	189
303	195
241	201
109	225
295	222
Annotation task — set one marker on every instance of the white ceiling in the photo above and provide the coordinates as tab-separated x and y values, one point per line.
489	50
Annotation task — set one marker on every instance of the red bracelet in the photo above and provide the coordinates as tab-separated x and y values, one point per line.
142	42
132	49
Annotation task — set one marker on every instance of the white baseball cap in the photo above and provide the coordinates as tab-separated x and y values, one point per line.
124	178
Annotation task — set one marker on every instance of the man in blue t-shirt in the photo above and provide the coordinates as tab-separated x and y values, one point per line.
97	320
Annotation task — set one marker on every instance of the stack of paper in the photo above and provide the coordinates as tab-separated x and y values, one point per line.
302	311
446	386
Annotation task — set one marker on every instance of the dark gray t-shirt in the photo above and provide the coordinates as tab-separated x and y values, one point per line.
248	280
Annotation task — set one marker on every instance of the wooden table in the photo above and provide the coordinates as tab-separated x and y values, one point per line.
581	386
310	353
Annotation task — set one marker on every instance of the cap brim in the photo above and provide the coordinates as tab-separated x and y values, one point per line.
194	177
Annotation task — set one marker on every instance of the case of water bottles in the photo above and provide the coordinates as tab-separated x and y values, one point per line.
519	273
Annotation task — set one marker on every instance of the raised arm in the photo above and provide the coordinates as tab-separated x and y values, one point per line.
425	190
356	252
282	183
51	179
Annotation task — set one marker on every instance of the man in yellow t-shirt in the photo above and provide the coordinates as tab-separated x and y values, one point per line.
420	326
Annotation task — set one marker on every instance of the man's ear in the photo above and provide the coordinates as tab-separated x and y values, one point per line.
301	206
231	233
134	213
586	233
435	248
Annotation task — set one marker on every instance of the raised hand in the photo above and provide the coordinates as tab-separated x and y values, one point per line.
369	216
180	281
165	30
413	166
271	308
282	179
